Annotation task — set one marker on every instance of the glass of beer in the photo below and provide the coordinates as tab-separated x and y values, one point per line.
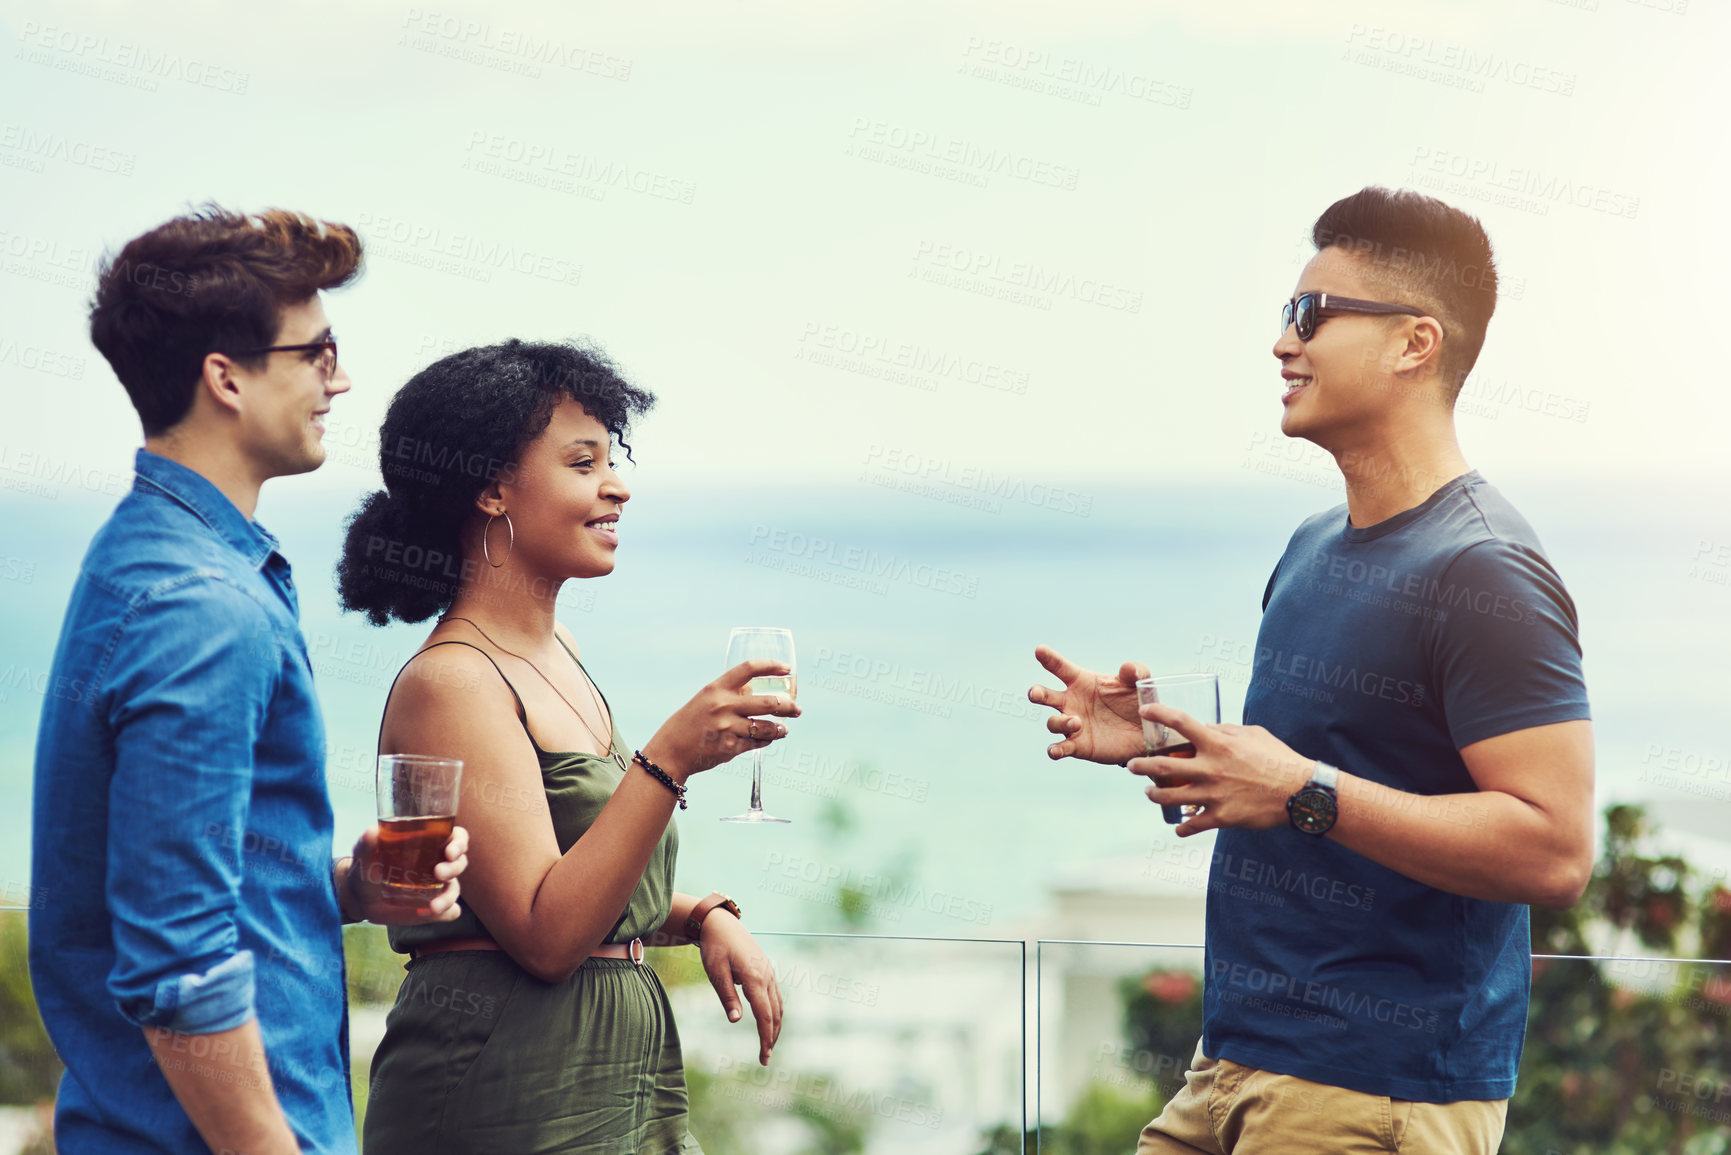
417	809
1197	695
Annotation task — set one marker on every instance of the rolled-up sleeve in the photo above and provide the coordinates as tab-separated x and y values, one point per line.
190	679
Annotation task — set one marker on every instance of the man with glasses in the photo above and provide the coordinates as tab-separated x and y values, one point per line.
187	960
1416	764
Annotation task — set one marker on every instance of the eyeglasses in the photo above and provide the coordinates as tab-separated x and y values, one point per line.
326	362
1308	310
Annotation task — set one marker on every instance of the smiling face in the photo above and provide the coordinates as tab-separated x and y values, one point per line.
1344	381
282	415
563	498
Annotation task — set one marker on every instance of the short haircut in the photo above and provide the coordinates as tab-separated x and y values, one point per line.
1426	254
212	281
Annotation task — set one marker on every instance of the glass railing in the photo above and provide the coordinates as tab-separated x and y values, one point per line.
971	1046
29	1069
1116	1025
1623	1056
888	1044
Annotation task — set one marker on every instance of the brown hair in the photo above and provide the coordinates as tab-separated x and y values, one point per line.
210	281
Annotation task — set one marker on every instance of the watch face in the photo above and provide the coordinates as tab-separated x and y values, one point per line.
1312	811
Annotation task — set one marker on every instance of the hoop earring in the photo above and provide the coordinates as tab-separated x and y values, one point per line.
509	545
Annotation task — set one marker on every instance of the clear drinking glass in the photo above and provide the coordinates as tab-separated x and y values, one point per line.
1197	695
417	809
744	644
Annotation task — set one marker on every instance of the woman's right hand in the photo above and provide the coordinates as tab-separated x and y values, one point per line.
717	723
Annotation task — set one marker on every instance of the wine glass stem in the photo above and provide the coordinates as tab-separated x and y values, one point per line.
757	779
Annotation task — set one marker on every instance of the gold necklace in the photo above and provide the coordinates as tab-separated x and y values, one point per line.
599	708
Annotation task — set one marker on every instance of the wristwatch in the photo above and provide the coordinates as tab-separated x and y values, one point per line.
1312	810
694	923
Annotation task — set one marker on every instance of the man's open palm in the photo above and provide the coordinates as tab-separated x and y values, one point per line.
1097	717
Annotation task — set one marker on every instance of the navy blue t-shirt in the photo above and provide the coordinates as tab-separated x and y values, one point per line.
1383	651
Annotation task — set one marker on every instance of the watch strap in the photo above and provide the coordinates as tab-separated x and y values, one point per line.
694	922
1324	781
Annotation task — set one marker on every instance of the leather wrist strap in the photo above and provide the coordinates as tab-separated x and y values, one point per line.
694	923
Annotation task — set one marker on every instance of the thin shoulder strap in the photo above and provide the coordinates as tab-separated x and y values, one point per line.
522	714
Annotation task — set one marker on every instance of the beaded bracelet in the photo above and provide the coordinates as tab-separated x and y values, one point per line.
662	777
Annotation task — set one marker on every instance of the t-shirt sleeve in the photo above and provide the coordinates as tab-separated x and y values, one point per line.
1268	590
1506	653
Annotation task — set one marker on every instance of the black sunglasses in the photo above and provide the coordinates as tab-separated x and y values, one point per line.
327	363
1308	310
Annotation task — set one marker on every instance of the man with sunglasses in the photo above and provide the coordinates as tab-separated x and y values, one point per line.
187	957
1416	764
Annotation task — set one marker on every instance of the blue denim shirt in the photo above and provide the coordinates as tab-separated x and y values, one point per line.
182	828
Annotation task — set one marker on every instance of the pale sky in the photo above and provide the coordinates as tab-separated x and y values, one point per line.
766	212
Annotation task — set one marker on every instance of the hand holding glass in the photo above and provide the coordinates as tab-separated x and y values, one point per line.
775	644
417	811
1197	695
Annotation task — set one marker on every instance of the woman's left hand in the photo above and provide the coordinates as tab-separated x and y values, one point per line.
363	897
732	958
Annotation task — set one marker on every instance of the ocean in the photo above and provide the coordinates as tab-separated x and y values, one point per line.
917	778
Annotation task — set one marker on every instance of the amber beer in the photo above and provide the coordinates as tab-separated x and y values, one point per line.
1197	695
417	810
1172	814
409	848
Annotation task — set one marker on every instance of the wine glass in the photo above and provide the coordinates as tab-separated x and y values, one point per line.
744	644
1197	695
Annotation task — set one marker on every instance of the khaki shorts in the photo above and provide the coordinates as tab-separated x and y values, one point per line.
1226	1108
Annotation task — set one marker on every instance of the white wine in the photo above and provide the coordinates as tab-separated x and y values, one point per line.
762	643
786	684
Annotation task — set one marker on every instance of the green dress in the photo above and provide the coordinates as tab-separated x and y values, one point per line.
479	1056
